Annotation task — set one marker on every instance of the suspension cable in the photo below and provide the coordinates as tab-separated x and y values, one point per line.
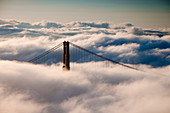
45	53
104	57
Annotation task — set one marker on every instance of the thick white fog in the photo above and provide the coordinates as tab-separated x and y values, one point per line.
88	87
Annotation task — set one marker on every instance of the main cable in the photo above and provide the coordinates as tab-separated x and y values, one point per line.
45	53
104	57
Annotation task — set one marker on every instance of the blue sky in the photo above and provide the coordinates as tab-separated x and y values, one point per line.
144	13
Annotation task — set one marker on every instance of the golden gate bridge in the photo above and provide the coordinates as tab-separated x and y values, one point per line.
68	52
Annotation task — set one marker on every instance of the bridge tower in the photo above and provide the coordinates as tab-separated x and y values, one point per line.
66	56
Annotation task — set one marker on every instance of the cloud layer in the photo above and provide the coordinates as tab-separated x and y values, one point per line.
88	87
123	42
87	90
